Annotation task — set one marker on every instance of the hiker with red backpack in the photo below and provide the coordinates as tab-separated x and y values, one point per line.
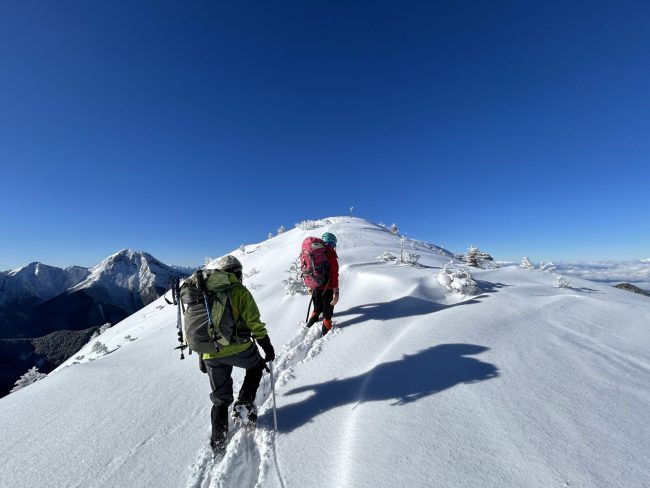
320	271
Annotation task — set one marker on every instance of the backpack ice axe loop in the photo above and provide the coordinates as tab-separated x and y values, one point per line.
200	281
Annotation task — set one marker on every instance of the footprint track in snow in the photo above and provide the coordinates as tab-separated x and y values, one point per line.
250	455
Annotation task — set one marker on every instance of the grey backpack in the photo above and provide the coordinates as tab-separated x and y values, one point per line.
208	332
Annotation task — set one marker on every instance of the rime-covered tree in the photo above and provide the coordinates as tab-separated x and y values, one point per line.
526	264
394	230
28	378
477	258
294	284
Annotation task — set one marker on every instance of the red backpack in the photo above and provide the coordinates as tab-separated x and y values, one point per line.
314	267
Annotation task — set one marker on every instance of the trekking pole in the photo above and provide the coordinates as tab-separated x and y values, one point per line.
275	415
309	308
176	297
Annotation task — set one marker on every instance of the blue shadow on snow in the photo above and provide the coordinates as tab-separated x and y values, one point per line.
407	306
405	380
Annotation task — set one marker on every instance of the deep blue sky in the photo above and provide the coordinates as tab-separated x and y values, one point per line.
187	128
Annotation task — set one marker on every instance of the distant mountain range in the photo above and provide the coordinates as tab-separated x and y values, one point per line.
48	313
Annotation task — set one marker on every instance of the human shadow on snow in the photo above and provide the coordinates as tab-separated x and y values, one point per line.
405	380
407	306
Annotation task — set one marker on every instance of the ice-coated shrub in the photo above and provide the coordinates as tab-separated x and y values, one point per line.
561	282
394	230
387	257
281	230
270	235
550	266
294	284
101	330
526	264
477	258
457	281
31	376
312	224
242	248
99	348
410	258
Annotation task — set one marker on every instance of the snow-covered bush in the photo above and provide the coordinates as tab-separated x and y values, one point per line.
405	256
458	281
526	264
394	230
547	266
294	284
101	330
99	348
387	257
410	258
477	258
32	376
281	230
242	248
312	224
270	235
561	282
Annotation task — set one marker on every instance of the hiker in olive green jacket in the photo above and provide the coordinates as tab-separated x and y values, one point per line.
218	365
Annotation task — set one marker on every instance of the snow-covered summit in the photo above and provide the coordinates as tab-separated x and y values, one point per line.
522	383
128	275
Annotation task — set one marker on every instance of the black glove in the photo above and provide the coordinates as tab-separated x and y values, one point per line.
202	364
269	353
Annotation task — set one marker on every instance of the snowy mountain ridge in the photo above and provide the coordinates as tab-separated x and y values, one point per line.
38	282
519	384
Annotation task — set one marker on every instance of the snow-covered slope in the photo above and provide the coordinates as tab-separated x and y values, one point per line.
523	384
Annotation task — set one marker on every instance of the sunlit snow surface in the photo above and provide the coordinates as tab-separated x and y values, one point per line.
521	385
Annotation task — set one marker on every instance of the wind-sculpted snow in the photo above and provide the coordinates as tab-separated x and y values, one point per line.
519	384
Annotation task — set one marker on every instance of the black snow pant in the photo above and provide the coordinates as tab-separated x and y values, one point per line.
220	374
323	302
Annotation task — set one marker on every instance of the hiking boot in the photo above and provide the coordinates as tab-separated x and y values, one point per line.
313	318
244	412
219	444
327	326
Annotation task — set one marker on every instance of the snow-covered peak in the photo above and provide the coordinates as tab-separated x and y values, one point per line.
129	272
38	281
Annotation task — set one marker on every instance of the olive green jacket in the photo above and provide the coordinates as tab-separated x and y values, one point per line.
246	315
